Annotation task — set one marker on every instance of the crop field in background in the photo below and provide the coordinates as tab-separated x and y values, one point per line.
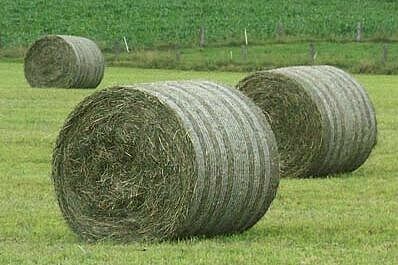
165	22
346	219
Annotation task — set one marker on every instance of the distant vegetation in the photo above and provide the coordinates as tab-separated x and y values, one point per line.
364	57
170	22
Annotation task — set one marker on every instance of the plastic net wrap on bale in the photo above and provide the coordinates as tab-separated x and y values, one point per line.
64	62
163	161
322	119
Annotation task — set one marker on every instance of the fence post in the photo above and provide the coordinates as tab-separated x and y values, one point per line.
245	46
125	43
244	52
116	49
384	57
359	32
246	42
178	53
202	37
280	30
312	53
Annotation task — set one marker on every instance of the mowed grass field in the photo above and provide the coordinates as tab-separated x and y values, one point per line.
346	219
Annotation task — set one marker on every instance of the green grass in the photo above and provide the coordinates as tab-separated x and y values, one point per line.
164	22
347	219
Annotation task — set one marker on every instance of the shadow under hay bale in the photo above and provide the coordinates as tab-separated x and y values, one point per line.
322	119
64	62
163	161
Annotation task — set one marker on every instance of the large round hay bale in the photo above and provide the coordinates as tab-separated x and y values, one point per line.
322	119
65	62
164	160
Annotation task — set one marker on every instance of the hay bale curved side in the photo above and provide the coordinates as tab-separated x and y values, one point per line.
64	62
164	160
322	118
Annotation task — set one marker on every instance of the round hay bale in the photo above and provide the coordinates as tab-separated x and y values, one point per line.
163	161
64	62
322	119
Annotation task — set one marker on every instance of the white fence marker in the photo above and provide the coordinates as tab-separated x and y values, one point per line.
246	37
125	43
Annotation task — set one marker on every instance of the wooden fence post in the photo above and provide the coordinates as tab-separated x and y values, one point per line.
280	30
384	57
116	49
178	53
202	37
312	53
359	32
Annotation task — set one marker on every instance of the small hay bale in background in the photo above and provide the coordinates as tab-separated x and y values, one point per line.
322	119
65	62
165	160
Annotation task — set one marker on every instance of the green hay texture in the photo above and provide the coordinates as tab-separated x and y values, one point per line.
165	160
64	62
322	119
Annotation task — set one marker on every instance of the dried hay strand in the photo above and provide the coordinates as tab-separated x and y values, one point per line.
64	62
323	120
165	160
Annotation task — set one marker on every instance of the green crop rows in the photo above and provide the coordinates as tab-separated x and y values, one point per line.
167	22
